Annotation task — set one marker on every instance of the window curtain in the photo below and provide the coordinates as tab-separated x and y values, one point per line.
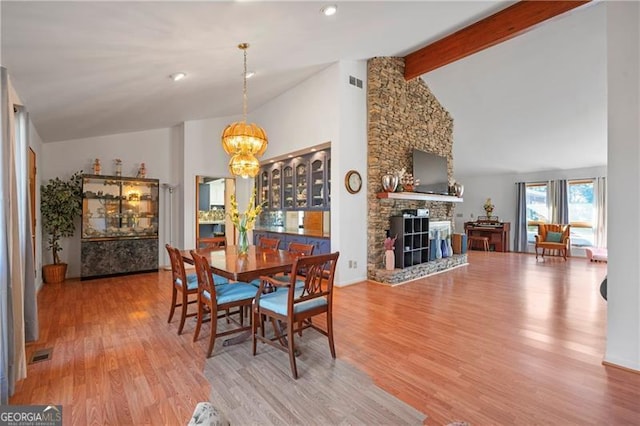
520	241
18	312
560	197
600	189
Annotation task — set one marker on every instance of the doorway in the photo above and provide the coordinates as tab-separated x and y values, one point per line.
212	198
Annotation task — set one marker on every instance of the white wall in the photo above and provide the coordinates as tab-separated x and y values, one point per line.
623	226
502	191
203	156
350	210
153	147
305	115
326	108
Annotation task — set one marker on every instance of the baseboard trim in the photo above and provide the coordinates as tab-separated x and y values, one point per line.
620	367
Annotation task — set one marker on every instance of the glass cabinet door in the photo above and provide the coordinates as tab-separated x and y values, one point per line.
317	181
275	189
263	188
119	207
301	185
287	191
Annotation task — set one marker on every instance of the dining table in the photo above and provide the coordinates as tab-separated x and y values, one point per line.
258	261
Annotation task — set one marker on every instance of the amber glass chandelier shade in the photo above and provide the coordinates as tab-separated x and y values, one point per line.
242	137
244	164
244	142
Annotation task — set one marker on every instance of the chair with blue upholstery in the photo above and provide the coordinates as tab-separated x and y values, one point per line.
296	306
184	284
180	276
216	298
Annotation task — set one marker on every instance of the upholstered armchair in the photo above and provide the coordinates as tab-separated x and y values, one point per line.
553	237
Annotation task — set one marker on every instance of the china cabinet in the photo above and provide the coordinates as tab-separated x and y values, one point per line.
301	183
119	225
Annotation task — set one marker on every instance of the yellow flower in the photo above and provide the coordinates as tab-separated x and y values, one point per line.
245	221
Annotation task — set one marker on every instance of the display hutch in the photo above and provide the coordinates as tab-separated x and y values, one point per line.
119	225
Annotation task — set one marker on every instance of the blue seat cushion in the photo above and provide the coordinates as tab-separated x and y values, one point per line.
226	293
218	280
192	282
277	302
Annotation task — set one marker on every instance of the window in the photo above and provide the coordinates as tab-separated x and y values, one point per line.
582	212
537	195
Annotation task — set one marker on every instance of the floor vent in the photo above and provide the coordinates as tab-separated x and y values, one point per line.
41	355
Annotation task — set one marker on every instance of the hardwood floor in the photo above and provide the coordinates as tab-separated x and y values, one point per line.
505	340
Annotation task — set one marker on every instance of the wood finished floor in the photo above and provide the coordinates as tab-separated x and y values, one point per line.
504	340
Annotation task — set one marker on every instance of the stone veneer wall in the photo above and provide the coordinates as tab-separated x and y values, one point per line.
403	115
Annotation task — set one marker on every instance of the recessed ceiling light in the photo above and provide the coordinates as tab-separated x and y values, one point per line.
290	156
313	150
250	74
177	76
329	10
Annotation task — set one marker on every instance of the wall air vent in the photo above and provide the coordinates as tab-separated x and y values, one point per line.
355	82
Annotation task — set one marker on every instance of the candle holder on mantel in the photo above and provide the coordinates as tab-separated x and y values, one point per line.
118	163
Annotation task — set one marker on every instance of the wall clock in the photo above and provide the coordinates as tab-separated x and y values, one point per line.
353	181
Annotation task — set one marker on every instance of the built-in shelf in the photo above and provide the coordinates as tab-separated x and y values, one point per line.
419	196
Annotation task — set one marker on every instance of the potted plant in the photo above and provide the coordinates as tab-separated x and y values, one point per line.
60	204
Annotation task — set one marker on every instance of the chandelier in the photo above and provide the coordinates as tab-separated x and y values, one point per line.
244	141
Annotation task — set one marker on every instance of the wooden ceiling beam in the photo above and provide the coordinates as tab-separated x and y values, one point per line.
501	26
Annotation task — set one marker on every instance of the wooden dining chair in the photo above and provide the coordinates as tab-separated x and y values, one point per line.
269	243
182	283
212	242
297	249
296	306
220	298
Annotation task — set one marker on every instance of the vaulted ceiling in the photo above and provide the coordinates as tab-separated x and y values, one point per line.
94	68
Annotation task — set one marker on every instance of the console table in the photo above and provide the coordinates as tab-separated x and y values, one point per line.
497	232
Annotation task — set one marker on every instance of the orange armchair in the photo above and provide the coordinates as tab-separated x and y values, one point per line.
555	237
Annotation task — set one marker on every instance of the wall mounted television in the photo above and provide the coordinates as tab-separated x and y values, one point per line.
432	171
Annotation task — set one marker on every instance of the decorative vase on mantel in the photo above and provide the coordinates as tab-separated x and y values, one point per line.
389	182
389	260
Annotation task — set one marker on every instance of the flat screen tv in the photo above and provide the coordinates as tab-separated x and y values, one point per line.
432	171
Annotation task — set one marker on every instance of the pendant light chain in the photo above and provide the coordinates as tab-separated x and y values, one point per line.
244	88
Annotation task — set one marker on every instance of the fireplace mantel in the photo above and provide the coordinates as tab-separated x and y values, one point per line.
419	196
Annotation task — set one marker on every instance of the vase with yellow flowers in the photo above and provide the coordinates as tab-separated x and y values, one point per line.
244	222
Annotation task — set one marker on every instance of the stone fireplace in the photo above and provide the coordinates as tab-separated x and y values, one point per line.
402	115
